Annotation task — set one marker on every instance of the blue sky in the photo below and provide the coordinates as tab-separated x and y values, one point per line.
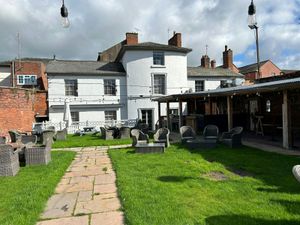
96	25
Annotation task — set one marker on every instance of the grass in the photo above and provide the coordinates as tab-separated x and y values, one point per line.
88	140
176	187
23	197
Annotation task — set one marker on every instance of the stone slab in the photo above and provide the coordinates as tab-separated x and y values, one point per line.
79	220
109	178
108	218
97	205
105	188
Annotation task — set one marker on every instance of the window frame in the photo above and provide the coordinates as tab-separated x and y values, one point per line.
110	89
110	111
75	116
154	88
25	79
158	58
197	86
68	85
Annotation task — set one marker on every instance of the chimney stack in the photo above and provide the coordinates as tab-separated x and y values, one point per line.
228	58
205	61
132	38
175	40
213	64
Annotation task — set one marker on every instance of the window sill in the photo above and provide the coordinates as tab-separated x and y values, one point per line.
158	66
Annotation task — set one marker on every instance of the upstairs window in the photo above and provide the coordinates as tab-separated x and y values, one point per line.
110	87
110	115
159	84
199	85
159	58
71	88
26	80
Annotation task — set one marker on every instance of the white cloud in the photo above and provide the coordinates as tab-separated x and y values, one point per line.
96	25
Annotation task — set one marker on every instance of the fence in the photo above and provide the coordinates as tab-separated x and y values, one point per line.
80	125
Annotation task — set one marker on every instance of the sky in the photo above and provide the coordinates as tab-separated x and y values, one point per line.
98	24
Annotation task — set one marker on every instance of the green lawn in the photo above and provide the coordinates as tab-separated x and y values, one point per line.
23	197
88	140
181	187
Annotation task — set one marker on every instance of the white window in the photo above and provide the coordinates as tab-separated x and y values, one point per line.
75	116
110	87
26	80
199	85
110	115
71	88
159	58
159	84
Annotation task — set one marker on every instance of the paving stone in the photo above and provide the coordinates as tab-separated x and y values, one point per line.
105	196
105	188
107	218
64	181
82	179
109	178
85	196
85	186
78	220
98	205
84	173
60	205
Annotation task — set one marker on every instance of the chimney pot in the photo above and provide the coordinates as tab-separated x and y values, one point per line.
213	64
175	40
228	58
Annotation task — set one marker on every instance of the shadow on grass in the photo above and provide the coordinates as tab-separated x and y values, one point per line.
246	220
174	179
290	206
272	169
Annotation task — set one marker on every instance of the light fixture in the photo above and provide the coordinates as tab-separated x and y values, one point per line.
252	24
64	15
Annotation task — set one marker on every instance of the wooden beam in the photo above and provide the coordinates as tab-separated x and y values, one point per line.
229	112
168	116
286	122
180	114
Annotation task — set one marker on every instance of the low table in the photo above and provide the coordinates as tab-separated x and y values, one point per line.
150	148
201	143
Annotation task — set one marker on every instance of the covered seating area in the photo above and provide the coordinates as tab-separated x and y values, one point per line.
266	110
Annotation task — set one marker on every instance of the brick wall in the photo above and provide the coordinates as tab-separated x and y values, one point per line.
16	109
40	103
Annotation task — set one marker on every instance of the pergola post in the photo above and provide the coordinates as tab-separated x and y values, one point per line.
168	116
159	115
180	114
229	112
286	122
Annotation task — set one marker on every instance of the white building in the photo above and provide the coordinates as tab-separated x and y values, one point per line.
121	84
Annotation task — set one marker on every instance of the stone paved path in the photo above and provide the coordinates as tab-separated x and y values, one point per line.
87	193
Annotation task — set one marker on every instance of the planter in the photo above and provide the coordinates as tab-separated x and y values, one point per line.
37	155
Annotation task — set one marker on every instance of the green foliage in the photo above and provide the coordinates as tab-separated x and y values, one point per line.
23	197
88	140
175	187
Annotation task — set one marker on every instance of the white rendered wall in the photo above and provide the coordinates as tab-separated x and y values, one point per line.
5	77
209	83
140	69
90	92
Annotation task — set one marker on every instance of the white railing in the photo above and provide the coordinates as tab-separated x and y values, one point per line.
80	125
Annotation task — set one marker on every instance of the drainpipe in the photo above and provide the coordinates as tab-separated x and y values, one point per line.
13	73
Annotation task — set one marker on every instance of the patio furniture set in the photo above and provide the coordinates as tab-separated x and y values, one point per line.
210	137
31	149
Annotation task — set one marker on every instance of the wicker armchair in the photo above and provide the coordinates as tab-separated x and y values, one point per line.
233	138
211	132
39	155
47	134
138	137
61	135
107	134
16	136
9	161
187	133
162	136
124	133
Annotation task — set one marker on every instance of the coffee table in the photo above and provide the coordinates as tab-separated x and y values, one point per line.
150	148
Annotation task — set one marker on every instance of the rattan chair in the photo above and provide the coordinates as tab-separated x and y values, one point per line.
16	136
187	133
233	138
162	136
124	133
211	132
107	134
39	155
47	134
138	137
61	135
9	161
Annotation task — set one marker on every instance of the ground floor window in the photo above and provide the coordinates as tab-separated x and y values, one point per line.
75	116
110	115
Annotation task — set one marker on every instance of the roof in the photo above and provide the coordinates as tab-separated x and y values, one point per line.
84	67
210	72
152	46
43	60
251	67
262	87
5	63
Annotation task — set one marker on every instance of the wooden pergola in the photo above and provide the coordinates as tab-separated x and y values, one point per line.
284	87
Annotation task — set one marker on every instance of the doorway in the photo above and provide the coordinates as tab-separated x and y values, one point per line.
147	117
